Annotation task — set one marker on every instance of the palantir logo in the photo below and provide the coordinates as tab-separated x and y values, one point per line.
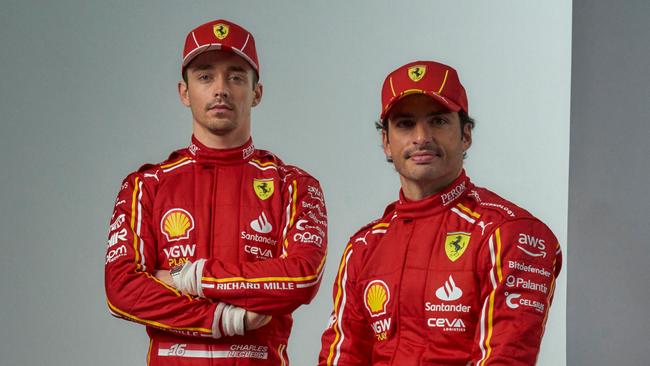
449	291
261	224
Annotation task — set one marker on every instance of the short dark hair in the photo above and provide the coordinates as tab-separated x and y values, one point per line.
256	78
465	119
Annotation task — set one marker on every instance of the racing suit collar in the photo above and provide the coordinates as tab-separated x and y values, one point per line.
436	203
236	155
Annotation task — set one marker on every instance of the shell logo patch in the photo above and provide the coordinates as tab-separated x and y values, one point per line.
220	30
263	187
176	224
376	297
455	244
416	73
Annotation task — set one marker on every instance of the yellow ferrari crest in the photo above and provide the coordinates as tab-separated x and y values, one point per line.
220	30
455	244
263	187
416	73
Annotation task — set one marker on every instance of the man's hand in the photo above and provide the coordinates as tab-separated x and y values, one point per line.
164	276
253	320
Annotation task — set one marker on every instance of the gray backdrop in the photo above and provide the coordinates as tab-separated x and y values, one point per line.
609	229
88	94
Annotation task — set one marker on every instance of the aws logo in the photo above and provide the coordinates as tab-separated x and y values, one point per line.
376	297
176	224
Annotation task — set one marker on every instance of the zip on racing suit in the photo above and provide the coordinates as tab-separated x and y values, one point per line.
261	227
463	277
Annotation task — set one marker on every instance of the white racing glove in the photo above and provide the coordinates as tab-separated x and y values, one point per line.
187	278
229	320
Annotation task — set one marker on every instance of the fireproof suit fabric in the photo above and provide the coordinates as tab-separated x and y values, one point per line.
460	278
261	225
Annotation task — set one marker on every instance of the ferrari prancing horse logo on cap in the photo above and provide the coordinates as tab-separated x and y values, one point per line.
416	73
220	30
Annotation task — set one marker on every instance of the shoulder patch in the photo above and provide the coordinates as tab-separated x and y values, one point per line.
175	160
490	201
379	226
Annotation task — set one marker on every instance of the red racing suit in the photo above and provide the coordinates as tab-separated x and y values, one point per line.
463	277
261	225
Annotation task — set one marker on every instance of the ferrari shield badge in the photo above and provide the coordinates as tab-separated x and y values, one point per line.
263	187
220	30
416	73
455	244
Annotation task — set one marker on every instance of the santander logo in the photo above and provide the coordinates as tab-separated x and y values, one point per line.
261	224
449	291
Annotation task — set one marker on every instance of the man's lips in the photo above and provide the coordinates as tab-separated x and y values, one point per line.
423	156
219	107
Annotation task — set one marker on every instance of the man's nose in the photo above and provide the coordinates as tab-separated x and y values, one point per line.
421	133
220	87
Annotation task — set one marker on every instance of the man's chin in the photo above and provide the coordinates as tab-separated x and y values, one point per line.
222	128
424	173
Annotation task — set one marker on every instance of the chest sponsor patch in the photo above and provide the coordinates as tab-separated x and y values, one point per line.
263	187
376	297
455	244
176	224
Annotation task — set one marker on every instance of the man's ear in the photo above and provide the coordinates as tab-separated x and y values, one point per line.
467	136
183	93
385	142
258	90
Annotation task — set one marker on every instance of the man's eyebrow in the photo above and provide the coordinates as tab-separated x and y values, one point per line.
437	114
410	115
236	69
201	67
401	115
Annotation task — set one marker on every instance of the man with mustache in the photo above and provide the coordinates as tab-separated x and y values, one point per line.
213	248
451	274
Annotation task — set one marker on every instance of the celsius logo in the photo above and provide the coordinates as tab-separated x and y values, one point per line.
376	297
509	299
449	291
261	224
300	225
176	224
515	300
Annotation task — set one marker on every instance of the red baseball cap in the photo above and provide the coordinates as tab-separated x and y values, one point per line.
220	34
424	77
